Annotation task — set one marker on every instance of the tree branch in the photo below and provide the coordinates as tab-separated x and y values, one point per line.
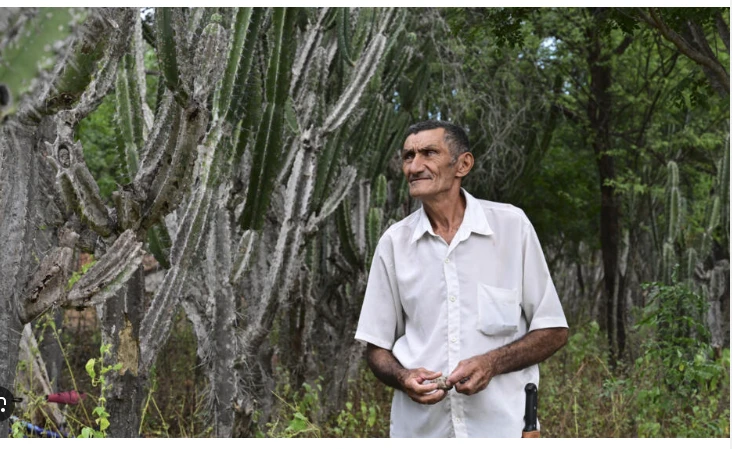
684	47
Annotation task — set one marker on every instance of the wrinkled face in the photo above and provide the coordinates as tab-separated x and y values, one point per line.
427	164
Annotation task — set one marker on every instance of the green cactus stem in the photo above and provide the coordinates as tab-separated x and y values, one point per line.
673	208
268	146
31	50
159	243
167	54
245	29
344	35
343	224
380	192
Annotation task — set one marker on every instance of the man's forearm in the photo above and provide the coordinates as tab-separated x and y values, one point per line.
532	348
384	365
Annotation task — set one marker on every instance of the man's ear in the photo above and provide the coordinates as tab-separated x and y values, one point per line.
464	164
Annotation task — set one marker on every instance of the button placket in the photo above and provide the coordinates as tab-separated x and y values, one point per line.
453	333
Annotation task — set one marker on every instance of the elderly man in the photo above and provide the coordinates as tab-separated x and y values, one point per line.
461	288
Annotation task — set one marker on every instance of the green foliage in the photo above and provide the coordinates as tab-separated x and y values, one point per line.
76	275
297	413
300	410
98	138
678	340
98	372
675	388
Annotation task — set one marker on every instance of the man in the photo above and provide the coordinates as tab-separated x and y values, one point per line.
461	288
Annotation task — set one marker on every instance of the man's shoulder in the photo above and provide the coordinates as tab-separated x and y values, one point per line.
404	227
502	211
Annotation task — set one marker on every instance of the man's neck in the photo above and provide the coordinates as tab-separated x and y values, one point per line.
446	213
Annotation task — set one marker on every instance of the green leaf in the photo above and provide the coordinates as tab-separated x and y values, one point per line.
90	368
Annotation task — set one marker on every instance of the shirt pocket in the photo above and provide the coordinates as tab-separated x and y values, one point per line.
498	310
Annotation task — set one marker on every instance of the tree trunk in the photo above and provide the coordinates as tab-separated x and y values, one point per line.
26	209
120	324
598	111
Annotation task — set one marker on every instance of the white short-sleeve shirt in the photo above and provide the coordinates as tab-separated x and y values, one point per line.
434	304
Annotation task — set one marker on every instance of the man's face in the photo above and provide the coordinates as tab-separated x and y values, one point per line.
427	164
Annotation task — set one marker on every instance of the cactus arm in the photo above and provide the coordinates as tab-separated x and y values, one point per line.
244	86
343	224
341	188
286	246
238	62
156	324
306	52
210	59
326	167
244	253
363	29
102	73
138	49
674	199
251	121
160	144
167	54
268	145
167	189
87	70
159	243
364	71
47	287
25	42
129	115
344	31
373	231
80	191
108	275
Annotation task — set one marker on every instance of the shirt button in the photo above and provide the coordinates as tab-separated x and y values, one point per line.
452	298
447	260
453	339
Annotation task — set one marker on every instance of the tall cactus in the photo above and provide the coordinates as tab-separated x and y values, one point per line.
186	172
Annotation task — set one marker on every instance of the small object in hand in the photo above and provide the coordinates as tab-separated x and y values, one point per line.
440	383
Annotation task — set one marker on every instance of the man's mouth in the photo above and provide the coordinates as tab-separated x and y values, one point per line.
418	179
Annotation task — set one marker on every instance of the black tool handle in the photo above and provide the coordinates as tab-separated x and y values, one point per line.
531	405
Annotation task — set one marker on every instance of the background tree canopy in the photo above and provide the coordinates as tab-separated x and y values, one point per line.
192	197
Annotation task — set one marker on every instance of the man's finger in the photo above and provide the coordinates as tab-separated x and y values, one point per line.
458	376
431	398
429	375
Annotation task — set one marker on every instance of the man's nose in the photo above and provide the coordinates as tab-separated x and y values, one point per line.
417	164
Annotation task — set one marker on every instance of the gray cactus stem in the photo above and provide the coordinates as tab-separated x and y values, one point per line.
222	374
15	193
364	71
306	52
341	188
166	190
109	275
78	70
156	324
120	320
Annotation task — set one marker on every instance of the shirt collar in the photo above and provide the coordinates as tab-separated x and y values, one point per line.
474	220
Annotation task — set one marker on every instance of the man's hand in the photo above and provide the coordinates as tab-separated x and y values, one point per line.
388	369
413	383
472	375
